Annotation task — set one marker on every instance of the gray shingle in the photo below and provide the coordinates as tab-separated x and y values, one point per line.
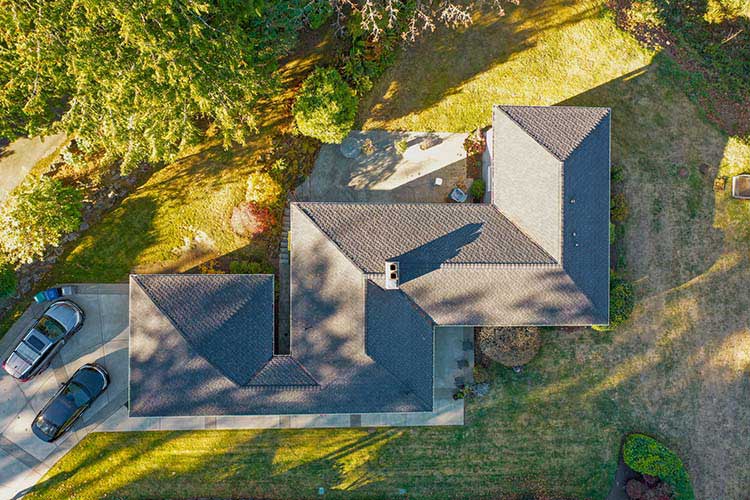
168	378
502	296
399	338
560	129
237	336
282	371
423	234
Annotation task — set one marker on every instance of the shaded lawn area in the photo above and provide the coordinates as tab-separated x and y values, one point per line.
677	370
180	216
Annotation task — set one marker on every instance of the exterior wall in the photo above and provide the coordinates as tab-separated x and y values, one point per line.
526	183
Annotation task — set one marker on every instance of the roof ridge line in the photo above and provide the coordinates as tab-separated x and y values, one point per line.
497	265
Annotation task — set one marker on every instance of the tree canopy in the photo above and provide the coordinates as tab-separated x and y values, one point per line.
139	76
138	79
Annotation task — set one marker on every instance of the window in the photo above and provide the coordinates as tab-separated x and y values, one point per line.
51	328
77	394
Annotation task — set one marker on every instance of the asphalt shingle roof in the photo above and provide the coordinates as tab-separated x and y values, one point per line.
560	129
399	338
501	296
203	345
423	234
237	336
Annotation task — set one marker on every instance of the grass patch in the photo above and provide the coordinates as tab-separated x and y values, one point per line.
179	217
677	369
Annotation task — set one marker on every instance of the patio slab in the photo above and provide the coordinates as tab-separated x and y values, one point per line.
385	175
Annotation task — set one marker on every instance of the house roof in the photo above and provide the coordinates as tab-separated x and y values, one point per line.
344	359
539	256
426	234
237	337
560	129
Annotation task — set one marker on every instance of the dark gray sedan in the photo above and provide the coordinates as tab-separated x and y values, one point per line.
68	404
43	340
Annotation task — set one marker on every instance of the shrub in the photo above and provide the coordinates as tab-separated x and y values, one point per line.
7	280
619	211
317	13
325	107
250	219
509	346
646	455
401	146
475	143
263	189
250	267
37	217
210	267
477	189
621	303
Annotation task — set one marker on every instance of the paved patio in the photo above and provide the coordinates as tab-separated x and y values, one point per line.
385	175
103	339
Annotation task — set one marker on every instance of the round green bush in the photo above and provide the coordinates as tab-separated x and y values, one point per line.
621	303
646	455
7	280
325	107
477	189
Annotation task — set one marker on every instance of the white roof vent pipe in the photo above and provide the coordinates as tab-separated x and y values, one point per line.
391	275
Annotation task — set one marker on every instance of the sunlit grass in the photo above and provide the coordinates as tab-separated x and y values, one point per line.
675	370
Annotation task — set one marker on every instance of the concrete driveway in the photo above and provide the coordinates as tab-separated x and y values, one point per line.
103	339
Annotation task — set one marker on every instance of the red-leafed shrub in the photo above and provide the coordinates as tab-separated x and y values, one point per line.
249	219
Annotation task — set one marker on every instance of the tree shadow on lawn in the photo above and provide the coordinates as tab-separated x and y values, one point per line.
84	466
668	157
457	56
675	369
256	463
109	250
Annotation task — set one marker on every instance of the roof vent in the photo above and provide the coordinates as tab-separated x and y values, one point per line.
391	275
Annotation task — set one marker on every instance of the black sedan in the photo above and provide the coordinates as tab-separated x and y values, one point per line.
35	351
73	398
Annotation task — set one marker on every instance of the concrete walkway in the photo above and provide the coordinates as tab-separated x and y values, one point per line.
104	339
17	158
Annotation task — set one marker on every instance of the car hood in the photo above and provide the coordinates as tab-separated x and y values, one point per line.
65	314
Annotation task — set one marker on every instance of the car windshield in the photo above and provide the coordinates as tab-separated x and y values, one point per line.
51	328
77	394
45	426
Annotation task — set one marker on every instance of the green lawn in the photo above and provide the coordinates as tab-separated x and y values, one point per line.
678	370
